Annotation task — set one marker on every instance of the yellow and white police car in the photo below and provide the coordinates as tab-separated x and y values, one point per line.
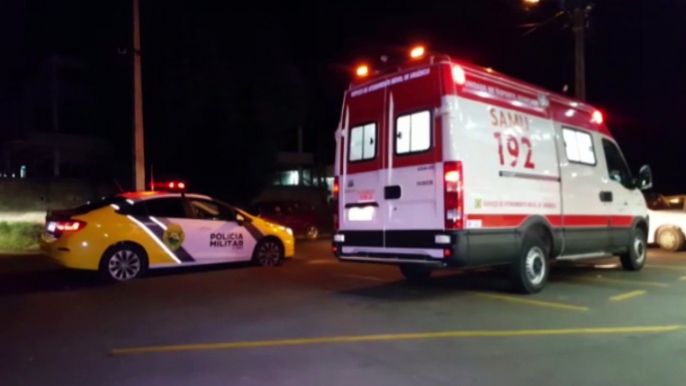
124	235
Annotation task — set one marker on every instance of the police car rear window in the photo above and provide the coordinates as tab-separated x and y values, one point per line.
97	204
166	207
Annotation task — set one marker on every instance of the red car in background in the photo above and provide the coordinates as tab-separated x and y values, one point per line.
301	217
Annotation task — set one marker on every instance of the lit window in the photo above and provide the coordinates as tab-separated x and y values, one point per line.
579	146
362	142
413	133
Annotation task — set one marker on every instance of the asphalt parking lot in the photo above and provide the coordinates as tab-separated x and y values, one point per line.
315	321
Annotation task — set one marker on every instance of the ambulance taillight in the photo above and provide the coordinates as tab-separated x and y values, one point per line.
362	71
335	190
452	195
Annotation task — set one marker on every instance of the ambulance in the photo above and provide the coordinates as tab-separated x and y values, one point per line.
442	164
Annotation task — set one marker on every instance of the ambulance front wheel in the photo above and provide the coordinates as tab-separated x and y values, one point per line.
415	273
529	273
635	258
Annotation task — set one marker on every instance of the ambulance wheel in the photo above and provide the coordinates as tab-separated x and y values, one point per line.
415	274
269	252
670	239
635	258
529	273
123	262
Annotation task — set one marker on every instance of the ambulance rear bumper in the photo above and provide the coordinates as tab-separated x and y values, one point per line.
436	248
439	248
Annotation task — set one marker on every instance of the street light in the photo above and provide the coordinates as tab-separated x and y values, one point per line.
579	15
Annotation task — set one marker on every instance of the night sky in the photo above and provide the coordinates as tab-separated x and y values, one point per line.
221	79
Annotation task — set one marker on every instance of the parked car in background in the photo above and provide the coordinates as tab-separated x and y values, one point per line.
303	218
666	222
677	201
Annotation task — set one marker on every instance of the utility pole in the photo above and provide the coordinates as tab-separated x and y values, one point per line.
579	10
138	137
579	28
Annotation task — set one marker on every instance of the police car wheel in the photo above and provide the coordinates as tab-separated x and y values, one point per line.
268	253
123	263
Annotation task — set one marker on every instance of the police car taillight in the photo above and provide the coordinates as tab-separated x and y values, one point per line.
452	195
58	228
335	190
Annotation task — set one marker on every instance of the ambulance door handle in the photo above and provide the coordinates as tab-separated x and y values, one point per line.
392	192
606	196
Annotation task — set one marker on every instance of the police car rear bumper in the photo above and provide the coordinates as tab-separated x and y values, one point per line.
439	248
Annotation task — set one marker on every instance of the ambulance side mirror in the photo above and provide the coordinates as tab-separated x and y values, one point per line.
644	181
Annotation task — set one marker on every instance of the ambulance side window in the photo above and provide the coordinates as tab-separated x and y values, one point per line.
362	143
413	133
579	146
617	168
171	207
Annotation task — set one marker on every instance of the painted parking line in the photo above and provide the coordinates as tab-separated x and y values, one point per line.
673	267
321	261
531	302
618	281
628	295
361	277
396	337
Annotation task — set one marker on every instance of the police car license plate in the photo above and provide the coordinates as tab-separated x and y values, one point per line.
361	213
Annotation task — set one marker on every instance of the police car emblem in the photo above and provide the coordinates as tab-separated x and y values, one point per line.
173	237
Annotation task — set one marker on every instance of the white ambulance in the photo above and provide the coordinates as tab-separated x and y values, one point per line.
443	164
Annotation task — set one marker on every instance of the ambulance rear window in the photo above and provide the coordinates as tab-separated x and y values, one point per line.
413	133
362	143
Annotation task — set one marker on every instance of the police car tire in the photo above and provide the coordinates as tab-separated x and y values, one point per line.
271	246
119	251
415	274
635	258
529	273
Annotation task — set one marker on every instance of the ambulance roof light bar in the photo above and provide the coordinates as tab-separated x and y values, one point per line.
417	52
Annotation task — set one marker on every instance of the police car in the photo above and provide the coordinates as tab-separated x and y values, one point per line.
124	235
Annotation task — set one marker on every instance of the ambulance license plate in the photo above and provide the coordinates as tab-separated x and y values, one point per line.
361	213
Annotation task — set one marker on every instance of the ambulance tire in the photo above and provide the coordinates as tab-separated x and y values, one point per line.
123	262
529	273
269	252
415	274
635	258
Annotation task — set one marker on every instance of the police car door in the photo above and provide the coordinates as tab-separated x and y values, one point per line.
219	228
